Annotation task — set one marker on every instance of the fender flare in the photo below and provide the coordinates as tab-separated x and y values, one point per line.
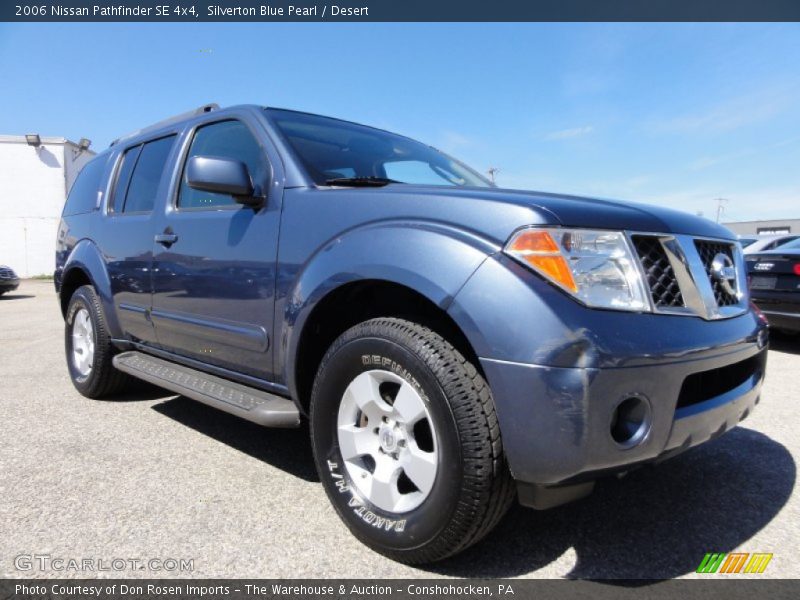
430	258
86	257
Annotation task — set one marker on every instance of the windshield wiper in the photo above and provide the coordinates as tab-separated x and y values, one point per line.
361	181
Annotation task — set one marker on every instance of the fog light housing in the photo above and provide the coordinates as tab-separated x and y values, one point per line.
630	422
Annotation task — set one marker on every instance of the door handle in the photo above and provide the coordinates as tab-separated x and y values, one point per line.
166	239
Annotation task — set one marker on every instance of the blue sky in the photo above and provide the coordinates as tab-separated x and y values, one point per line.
674	114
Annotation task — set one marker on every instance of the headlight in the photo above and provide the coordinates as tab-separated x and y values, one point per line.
596	267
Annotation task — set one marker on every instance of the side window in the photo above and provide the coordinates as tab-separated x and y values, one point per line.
123	179
146	175
83	194
225	139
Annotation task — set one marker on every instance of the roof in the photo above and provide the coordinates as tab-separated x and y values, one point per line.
20	139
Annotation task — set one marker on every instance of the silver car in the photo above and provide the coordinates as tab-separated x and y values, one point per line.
763	243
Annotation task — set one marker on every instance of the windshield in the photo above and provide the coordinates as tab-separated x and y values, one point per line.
337	152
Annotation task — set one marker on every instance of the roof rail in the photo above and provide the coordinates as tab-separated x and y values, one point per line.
206	108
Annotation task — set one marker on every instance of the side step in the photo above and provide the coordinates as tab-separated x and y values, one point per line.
248	403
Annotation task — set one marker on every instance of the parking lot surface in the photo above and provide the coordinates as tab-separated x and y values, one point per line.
156	476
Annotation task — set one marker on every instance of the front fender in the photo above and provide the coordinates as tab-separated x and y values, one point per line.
86	257
433	259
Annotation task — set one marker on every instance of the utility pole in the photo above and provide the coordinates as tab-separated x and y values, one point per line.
491	172
720	207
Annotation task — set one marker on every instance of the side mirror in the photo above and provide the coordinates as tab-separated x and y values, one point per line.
223	176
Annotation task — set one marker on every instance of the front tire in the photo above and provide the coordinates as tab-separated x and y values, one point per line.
88	347
406	442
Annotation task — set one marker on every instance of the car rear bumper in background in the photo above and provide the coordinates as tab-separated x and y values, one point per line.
557	422
8	285
781	308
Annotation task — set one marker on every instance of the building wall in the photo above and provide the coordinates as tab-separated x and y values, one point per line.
33	188
766	226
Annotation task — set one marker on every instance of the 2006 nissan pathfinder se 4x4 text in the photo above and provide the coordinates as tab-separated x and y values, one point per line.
453	344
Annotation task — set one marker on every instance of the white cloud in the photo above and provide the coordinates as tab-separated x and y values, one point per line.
452	141
742	204
566	134
637	182
729	115
456	139
705	162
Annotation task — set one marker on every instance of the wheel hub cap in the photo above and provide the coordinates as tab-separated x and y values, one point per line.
82	342
387	439
390	438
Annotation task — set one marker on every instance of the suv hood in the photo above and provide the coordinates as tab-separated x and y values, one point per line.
576	211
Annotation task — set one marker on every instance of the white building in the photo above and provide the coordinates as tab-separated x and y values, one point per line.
765	226
36	174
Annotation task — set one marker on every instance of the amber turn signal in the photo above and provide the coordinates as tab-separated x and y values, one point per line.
540	251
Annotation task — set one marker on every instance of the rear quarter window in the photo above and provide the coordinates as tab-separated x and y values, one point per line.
139	176
83	196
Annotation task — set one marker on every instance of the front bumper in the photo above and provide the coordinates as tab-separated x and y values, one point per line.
559	370
556	422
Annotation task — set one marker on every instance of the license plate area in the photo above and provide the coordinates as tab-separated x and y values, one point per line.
761	282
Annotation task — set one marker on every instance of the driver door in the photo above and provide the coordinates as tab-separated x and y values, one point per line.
214	261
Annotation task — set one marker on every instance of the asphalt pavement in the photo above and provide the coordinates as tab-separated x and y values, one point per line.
158	481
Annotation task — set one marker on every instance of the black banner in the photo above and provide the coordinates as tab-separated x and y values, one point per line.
730	588
400	10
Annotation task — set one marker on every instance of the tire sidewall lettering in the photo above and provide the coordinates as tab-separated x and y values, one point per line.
404	530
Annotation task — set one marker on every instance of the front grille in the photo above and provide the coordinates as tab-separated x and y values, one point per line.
708	250
6	273
661	279
706	385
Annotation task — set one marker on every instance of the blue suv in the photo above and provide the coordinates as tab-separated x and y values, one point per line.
453	345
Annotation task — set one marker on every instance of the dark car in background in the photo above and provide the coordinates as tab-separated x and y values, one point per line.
774	278
8	280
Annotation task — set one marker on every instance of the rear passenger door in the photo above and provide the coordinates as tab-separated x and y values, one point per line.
139	185
214	278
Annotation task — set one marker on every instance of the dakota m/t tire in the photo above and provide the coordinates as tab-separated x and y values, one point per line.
406	442
88	347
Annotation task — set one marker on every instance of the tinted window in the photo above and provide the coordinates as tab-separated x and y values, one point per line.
147	175
117	200
226	139
328	148
781	242
83	195
793	245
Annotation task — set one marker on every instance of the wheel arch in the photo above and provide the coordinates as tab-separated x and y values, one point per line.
358	301
74	278
389	268
85	266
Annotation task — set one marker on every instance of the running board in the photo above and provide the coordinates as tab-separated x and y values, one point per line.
246	402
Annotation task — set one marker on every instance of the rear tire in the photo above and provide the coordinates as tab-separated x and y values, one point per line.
88	347
395	376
